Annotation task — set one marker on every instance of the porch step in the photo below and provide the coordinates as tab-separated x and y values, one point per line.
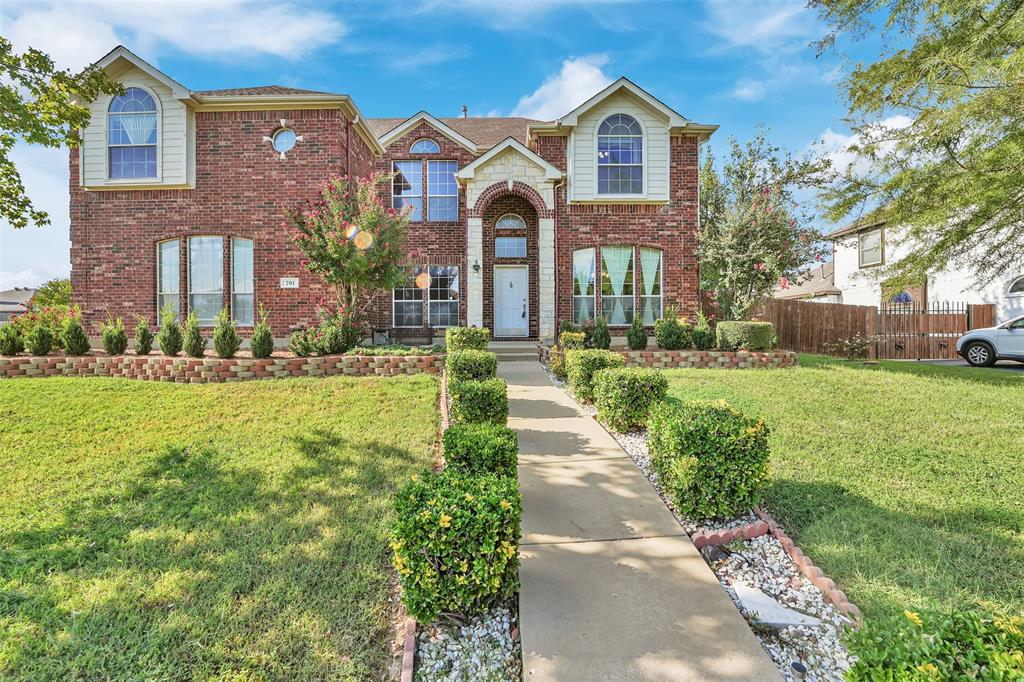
511	351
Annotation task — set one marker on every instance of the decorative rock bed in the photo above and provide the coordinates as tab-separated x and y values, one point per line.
699	359
750	555
216	370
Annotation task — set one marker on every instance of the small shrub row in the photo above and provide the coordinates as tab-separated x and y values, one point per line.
476	402
481	449
624	396
467	338
471	365
396	349
582	365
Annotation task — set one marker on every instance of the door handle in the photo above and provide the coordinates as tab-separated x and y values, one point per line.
524	310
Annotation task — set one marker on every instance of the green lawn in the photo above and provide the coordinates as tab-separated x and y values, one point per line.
176	532
904	482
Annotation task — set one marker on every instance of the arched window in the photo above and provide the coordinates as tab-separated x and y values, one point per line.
510	221
425	146
620	151
131	135
1016	287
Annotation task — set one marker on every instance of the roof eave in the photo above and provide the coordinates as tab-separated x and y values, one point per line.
178	91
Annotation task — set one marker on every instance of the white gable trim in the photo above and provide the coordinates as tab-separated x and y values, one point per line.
550	172
675	120
119	53
424	117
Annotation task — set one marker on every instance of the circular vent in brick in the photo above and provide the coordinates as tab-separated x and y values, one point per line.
284	140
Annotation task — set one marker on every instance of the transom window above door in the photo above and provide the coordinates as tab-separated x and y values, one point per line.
620	150
510	221
510	247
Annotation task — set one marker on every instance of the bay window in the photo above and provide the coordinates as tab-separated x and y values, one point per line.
167	277
650	284
206	277
617	284
583	285
242	304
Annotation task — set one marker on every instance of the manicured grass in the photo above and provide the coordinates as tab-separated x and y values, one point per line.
174	532
903	481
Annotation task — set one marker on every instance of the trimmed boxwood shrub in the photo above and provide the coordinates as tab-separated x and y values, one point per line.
481	449
624	396
953	645
113	336
463	365
601	338
710	458
581	365
672	334
466	338
73	338
636	337
11	341
475	402
572	339
169	336
456	543
734	335
193	343
143	337
557	360
39	341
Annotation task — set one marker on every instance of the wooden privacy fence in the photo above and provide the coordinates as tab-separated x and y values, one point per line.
899	331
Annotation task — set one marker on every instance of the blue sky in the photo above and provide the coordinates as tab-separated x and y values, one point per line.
734	63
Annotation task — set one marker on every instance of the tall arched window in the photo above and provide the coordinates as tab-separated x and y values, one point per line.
425	146
131	135
620	152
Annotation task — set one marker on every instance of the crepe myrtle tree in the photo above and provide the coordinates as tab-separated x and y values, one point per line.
352	241
753	236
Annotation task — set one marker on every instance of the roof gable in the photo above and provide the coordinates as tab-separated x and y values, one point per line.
424	117
674	118
550	172
121	56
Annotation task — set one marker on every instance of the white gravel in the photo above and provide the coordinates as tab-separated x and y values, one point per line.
482	650
764	564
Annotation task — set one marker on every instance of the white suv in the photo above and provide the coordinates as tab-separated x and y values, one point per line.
982	347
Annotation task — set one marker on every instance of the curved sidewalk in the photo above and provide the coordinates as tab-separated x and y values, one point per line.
612	588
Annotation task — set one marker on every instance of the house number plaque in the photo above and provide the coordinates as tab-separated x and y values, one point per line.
289	282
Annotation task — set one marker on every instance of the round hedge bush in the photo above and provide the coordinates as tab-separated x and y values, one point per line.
624	396
481	449
456	543
582	365
466	338
476	402
755	336
471	365
710	458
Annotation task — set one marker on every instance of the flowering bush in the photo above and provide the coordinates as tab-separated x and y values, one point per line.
51	317
481	449
114	337
852	347
624	396
471	365
456	543
582	365
305	342
11	340
169	337
143	337
710	458
73	337
953	645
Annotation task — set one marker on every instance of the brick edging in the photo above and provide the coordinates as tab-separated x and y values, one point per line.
827	586
217	370
700	359
409	650
746	531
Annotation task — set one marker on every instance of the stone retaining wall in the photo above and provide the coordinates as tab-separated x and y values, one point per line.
216	370
701	359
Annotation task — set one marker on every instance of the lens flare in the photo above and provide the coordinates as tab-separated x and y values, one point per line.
363	241
351	231
423	280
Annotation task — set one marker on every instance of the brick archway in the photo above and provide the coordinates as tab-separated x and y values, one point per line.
517	188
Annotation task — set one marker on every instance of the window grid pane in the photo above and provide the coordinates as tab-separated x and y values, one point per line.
131	135
408	302
242	299
167	278
444	296
617	284
407	187
442	191
620	156
510	247
510	221
206	277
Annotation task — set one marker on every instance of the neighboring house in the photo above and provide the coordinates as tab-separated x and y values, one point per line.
861	248
14	302
818	286
179	197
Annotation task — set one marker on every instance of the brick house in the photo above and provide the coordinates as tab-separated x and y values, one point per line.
178	197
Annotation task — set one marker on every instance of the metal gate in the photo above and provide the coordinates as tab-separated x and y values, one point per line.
906	332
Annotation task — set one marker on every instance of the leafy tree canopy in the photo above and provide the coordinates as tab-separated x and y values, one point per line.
39	104
939	125
753	236
54	292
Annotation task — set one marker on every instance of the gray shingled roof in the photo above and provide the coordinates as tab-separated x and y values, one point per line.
265	90
486	131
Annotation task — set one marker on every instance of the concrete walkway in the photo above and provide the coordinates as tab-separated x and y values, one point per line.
612	588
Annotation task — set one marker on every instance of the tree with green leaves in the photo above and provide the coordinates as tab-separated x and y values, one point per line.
54	292
40	104
753	236
938	122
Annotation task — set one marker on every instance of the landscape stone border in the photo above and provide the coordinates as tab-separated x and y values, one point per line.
699	359
217	370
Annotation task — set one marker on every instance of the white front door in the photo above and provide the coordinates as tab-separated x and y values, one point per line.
511	305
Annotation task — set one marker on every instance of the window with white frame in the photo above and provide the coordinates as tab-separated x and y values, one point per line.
407	187
510	247
407	302
1016	287
425	146
869	245
444	296
242	292
510	221
617	284
132	135
650	284
583	288
167	278
206	277
620	151
442	191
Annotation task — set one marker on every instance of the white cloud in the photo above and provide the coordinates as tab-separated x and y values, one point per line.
579	79
76	34
765	26
749	90
428	56
838	147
